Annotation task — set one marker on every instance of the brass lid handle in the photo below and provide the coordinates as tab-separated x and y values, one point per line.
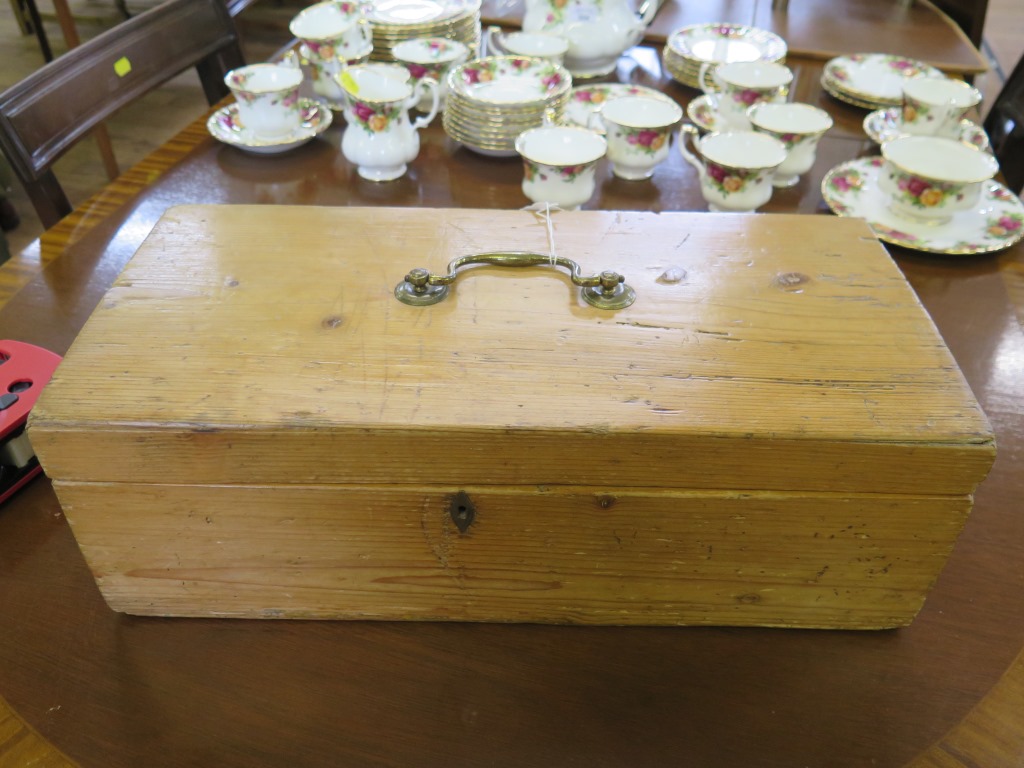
607	290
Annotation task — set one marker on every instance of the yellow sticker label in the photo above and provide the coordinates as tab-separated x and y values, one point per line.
348	83
122	66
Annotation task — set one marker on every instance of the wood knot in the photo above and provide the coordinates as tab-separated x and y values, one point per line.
789	280
231	282
331	322
606	502
672	275
749	599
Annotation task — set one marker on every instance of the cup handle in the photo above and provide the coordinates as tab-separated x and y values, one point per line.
688	131
710	91
594	121
417	94
490	44
365	32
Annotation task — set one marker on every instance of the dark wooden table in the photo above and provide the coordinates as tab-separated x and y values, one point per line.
112	690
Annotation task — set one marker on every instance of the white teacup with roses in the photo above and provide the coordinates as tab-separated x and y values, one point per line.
799	127
559	162
268	98
929	178
735	168
430	57
736	87
332	35
639	131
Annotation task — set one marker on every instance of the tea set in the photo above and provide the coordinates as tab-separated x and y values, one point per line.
512	94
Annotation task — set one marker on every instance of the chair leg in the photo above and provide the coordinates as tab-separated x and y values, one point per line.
102	138
28	9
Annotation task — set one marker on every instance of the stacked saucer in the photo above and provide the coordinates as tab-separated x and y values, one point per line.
689	48
494	99
394	21
872	80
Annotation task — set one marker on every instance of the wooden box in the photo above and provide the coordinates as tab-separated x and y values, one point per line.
251	425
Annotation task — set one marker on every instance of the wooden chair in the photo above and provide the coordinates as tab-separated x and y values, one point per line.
45	114
968	14
1005	128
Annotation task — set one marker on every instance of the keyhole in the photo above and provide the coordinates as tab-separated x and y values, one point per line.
462	511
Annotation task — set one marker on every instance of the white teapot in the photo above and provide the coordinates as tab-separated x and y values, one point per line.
380	139
598	31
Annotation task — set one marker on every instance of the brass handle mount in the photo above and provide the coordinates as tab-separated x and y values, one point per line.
607	290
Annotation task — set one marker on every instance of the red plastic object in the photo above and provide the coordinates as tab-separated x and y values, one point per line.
24	371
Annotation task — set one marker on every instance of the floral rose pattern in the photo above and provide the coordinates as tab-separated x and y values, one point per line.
485	71
645	140
566	173
730	180
849	181
925	194
1005	226
374	119
560	11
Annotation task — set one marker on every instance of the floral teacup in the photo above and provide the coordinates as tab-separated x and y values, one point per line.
799	127
931	178
639	130
539	45
559	164
738	86
268	98
333	35
934	106
430	57
735	168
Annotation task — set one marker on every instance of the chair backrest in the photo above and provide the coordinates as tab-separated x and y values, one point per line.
45	114
968	14
1005	128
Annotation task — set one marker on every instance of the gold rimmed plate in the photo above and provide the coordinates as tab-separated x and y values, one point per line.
997	222
508	82
874	78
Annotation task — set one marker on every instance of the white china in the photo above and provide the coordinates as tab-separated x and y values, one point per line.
994	223
394	21
559	163
598	31
885	124
872	80
799	127
494	99
323	75
735	168
639	132
332	31
929	178
934	106
585	100
380	139
540	45
268	98
702	114
718	43
735	87
226	125
431	57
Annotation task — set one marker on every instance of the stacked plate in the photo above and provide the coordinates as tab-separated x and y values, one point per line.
492	100
689	48
393	21
872	80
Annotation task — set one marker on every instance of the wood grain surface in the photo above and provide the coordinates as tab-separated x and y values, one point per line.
938	682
